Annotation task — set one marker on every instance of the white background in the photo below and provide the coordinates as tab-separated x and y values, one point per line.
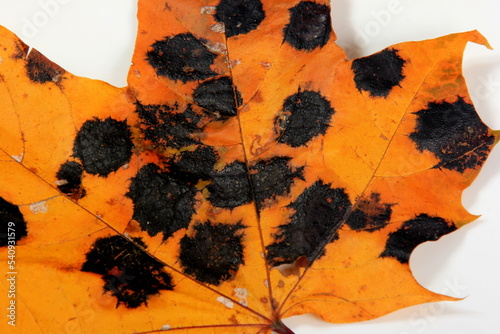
94	38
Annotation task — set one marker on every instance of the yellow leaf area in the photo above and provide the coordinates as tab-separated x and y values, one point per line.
248	173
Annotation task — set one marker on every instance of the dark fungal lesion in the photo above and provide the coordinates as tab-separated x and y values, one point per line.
165	125
194	165
163	202
318	214
454	133
230	187
218	96
213	252
40	69
412	233
272	178
305	115
178	126
69	179
164	194
129	273
239	16
236	184
379	73
369	214
13	227
103	145
182	57
309	26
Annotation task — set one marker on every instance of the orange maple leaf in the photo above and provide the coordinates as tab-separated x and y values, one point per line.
238	179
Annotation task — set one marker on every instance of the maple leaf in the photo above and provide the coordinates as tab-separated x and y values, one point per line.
205	198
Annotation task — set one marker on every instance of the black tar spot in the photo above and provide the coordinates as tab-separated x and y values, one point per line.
69	179
103	146
218	96
165	127
319	212
412	233
214	253
454	133
162	203
378	73
42	70
271	178
305	115
235	185
239	16
370	215
193	166
129	273
309	27
12	224
181	57
230	187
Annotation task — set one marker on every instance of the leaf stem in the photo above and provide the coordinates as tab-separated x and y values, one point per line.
279	327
